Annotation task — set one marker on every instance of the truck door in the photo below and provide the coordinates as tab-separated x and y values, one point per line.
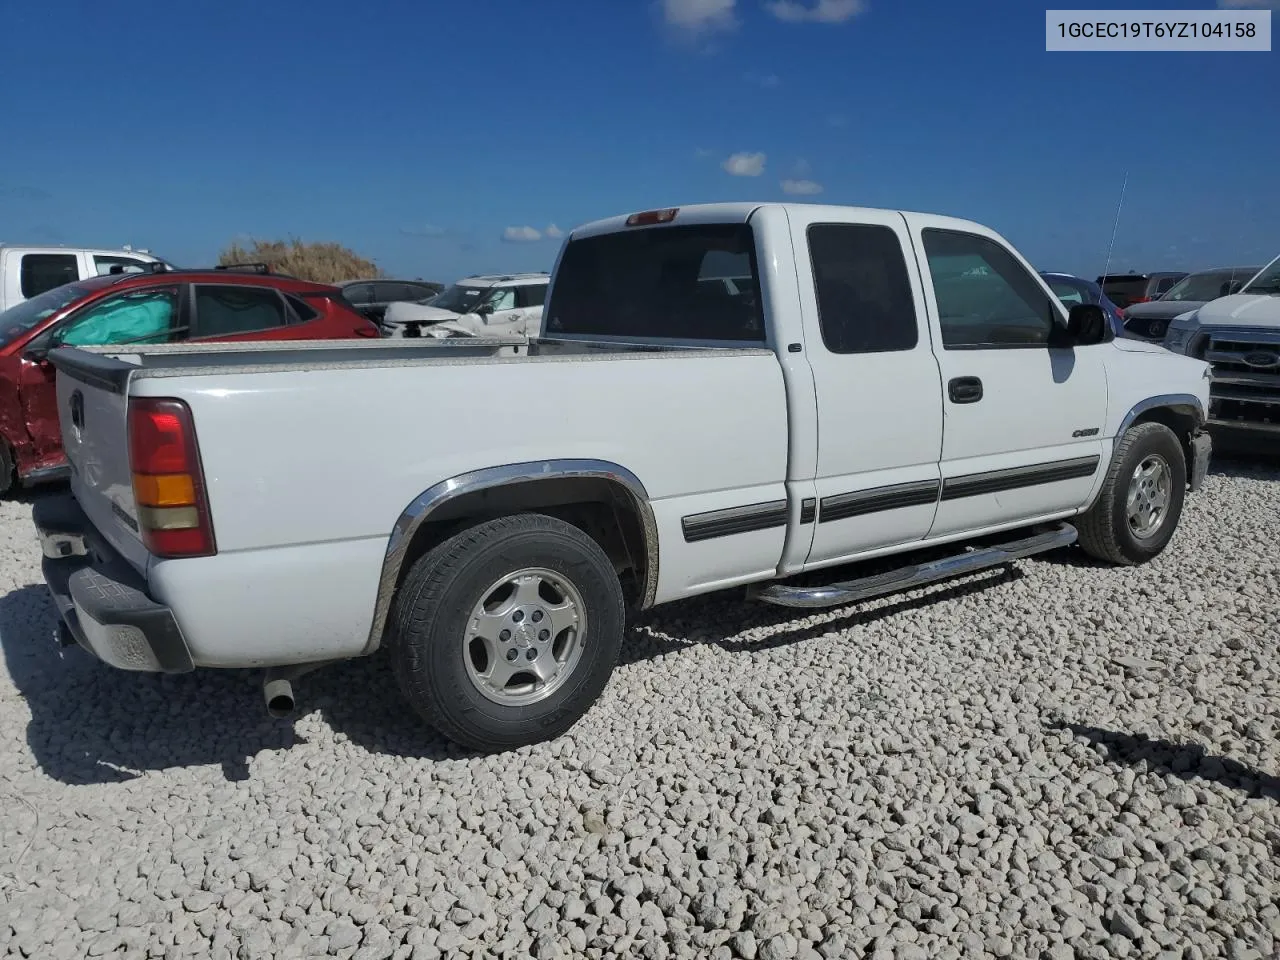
879	399
1023	419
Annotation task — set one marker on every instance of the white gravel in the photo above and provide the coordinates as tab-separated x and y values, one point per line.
1069	761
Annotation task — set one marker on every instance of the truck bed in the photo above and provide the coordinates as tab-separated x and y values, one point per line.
312	453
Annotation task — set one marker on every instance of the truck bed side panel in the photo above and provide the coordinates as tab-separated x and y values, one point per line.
331	458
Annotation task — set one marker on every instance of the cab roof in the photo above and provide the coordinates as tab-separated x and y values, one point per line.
741	212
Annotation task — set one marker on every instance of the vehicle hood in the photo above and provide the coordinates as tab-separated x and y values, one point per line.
1139	346
1161	309
1241	310
398	313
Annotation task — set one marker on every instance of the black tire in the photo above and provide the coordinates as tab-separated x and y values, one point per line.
433	608
1105	531
8	473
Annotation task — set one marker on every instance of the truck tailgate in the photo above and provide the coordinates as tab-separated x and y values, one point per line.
93	416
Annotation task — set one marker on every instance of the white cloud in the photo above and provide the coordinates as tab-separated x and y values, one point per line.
821	11
699	16
801	188
521	235
553	232
745	164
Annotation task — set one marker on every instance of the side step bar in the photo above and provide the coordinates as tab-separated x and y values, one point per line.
908	578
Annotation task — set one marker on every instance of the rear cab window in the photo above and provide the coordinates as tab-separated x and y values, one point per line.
650	283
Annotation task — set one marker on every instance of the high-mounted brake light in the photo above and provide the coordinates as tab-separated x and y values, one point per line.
650	217
168	483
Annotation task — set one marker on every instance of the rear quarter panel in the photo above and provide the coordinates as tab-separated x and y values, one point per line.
308	471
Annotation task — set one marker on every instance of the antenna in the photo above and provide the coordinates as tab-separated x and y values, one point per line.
1106	269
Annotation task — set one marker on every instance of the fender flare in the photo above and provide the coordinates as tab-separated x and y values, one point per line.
1171	400
487	478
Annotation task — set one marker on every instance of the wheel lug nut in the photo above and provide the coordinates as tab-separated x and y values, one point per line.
544	635
518	616
532	654
504	636
537	615
512	653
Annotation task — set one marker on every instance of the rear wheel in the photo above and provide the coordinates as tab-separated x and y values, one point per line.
1138	509
506	633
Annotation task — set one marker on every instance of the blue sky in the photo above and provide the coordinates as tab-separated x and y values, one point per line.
422	133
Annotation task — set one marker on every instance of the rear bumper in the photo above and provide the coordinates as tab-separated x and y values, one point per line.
102	602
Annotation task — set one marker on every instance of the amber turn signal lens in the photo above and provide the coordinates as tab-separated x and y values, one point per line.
166	490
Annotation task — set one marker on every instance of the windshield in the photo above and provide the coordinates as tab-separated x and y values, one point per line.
1268	281
18	319
1210	285
460	299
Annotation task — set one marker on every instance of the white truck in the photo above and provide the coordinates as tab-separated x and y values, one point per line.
27	272
1240	337
884	382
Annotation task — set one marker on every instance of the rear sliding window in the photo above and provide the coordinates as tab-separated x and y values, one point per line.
696	282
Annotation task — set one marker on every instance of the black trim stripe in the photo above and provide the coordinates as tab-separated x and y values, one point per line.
995	481
842	506
808	510
726	523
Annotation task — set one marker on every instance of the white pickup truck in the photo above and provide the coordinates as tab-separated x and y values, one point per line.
873	382
1239	335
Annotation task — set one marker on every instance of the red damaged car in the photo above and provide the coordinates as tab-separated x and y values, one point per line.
245	302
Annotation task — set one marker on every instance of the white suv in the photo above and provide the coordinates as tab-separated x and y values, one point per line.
494	306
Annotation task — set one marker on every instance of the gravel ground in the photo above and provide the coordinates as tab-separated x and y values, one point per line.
1059	761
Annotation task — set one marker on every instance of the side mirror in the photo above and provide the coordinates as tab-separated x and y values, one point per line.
484	310
1233	287
1087	324
38	353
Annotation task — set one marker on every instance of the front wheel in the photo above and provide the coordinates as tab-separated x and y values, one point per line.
506	633
1137	511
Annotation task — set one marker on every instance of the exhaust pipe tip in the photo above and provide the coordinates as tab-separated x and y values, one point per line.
279	697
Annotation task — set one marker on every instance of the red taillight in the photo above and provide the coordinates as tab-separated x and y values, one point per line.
650	217
168	483
1139	300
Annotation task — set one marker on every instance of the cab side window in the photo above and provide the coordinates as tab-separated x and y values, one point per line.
145	316
44	271
503	298
986	299
865	304
532	294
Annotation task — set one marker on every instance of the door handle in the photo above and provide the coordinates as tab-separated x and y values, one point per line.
965	390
